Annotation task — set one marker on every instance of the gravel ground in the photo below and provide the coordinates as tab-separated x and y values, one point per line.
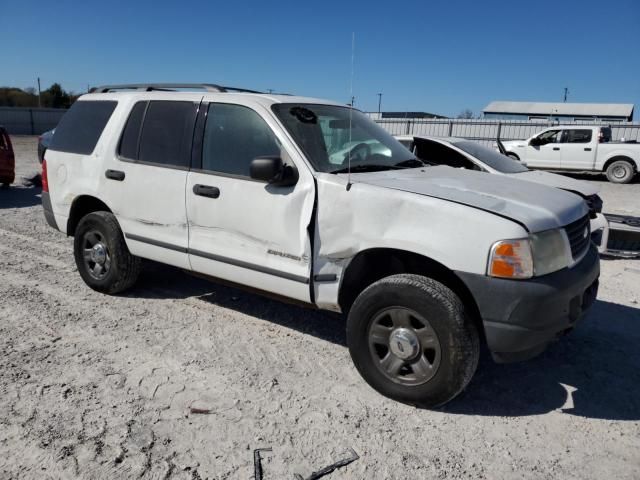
94	386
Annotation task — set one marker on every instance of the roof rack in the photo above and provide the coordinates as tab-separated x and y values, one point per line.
169	87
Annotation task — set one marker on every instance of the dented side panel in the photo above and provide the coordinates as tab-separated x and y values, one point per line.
368	216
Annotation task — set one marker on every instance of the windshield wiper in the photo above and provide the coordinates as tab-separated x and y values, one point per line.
367	167
411	163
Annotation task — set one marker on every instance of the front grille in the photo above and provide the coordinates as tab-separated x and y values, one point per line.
579	236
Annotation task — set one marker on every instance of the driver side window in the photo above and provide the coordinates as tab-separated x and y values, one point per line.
235	135
551	136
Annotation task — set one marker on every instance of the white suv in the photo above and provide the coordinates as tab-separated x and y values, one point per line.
312	201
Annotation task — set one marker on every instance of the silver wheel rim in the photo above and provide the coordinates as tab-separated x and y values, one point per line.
404	347
96	255
619	172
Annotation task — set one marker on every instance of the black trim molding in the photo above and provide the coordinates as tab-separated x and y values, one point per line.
219	258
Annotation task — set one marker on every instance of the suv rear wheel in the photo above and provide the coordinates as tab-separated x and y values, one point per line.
410	339
102	257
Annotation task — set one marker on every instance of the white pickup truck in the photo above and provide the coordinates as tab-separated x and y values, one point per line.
578	148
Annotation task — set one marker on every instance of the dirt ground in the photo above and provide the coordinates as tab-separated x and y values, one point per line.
94	386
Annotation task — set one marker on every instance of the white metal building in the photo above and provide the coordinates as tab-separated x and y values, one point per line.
560	112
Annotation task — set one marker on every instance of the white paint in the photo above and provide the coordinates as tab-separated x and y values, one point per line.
258	235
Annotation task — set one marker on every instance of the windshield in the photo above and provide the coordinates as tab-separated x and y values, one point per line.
490	157
323	132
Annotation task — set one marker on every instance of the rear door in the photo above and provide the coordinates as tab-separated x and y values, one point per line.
578	149
146	178
547	154
242	230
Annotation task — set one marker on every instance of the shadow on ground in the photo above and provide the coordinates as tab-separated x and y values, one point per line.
161	281
593	372
17	196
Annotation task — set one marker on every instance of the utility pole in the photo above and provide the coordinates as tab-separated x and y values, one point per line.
566	93
353	101
379	105
270	90
39	94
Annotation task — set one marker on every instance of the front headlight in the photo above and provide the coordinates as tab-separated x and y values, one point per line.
551	251
540	254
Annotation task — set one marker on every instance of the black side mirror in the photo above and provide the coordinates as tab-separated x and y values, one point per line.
535	141
270	169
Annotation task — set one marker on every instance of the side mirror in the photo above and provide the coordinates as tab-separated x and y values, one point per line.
535	141
270	169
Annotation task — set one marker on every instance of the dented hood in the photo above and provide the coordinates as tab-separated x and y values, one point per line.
559	181
535	206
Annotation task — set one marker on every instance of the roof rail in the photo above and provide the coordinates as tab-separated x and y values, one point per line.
169	87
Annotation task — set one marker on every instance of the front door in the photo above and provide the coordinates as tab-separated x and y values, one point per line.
242	230
548	153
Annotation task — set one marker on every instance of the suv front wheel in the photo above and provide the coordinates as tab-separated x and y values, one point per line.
410	339
102	257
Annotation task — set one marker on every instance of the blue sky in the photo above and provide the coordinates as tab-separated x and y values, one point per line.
440	57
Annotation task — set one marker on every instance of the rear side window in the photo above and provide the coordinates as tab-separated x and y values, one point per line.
166	133
80	128
131	134
577	136
160	133
235	135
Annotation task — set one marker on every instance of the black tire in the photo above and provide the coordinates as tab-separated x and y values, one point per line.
513	156
620	171
456	334
122	269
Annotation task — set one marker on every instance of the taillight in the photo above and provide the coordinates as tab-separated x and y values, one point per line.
45	181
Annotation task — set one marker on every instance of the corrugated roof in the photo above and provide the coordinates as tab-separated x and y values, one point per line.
547	108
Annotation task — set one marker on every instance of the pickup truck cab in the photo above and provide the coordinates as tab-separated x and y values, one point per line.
463	153
578	148
425	262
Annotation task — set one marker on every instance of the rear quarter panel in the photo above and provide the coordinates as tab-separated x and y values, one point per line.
72	175
607	151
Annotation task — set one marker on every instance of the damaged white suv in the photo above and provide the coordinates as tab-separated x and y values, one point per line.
426	262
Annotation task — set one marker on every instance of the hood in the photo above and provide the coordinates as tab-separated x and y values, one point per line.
559	181
535	206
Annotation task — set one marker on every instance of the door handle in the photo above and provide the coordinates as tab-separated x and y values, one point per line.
114	175
206	191
556	148
587	149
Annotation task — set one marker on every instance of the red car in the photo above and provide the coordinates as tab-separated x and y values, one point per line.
7	159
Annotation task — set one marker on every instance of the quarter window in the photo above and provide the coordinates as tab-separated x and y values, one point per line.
80	128
235	135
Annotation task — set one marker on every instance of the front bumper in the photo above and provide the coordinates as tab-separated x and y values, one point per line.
600	232
521	317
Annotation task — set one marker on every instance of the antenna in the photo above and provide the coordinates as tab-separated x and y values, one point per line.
353	49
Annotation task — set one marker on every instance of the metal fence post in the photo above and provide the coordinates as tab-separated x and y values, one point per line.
408	127
31	120
450	129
